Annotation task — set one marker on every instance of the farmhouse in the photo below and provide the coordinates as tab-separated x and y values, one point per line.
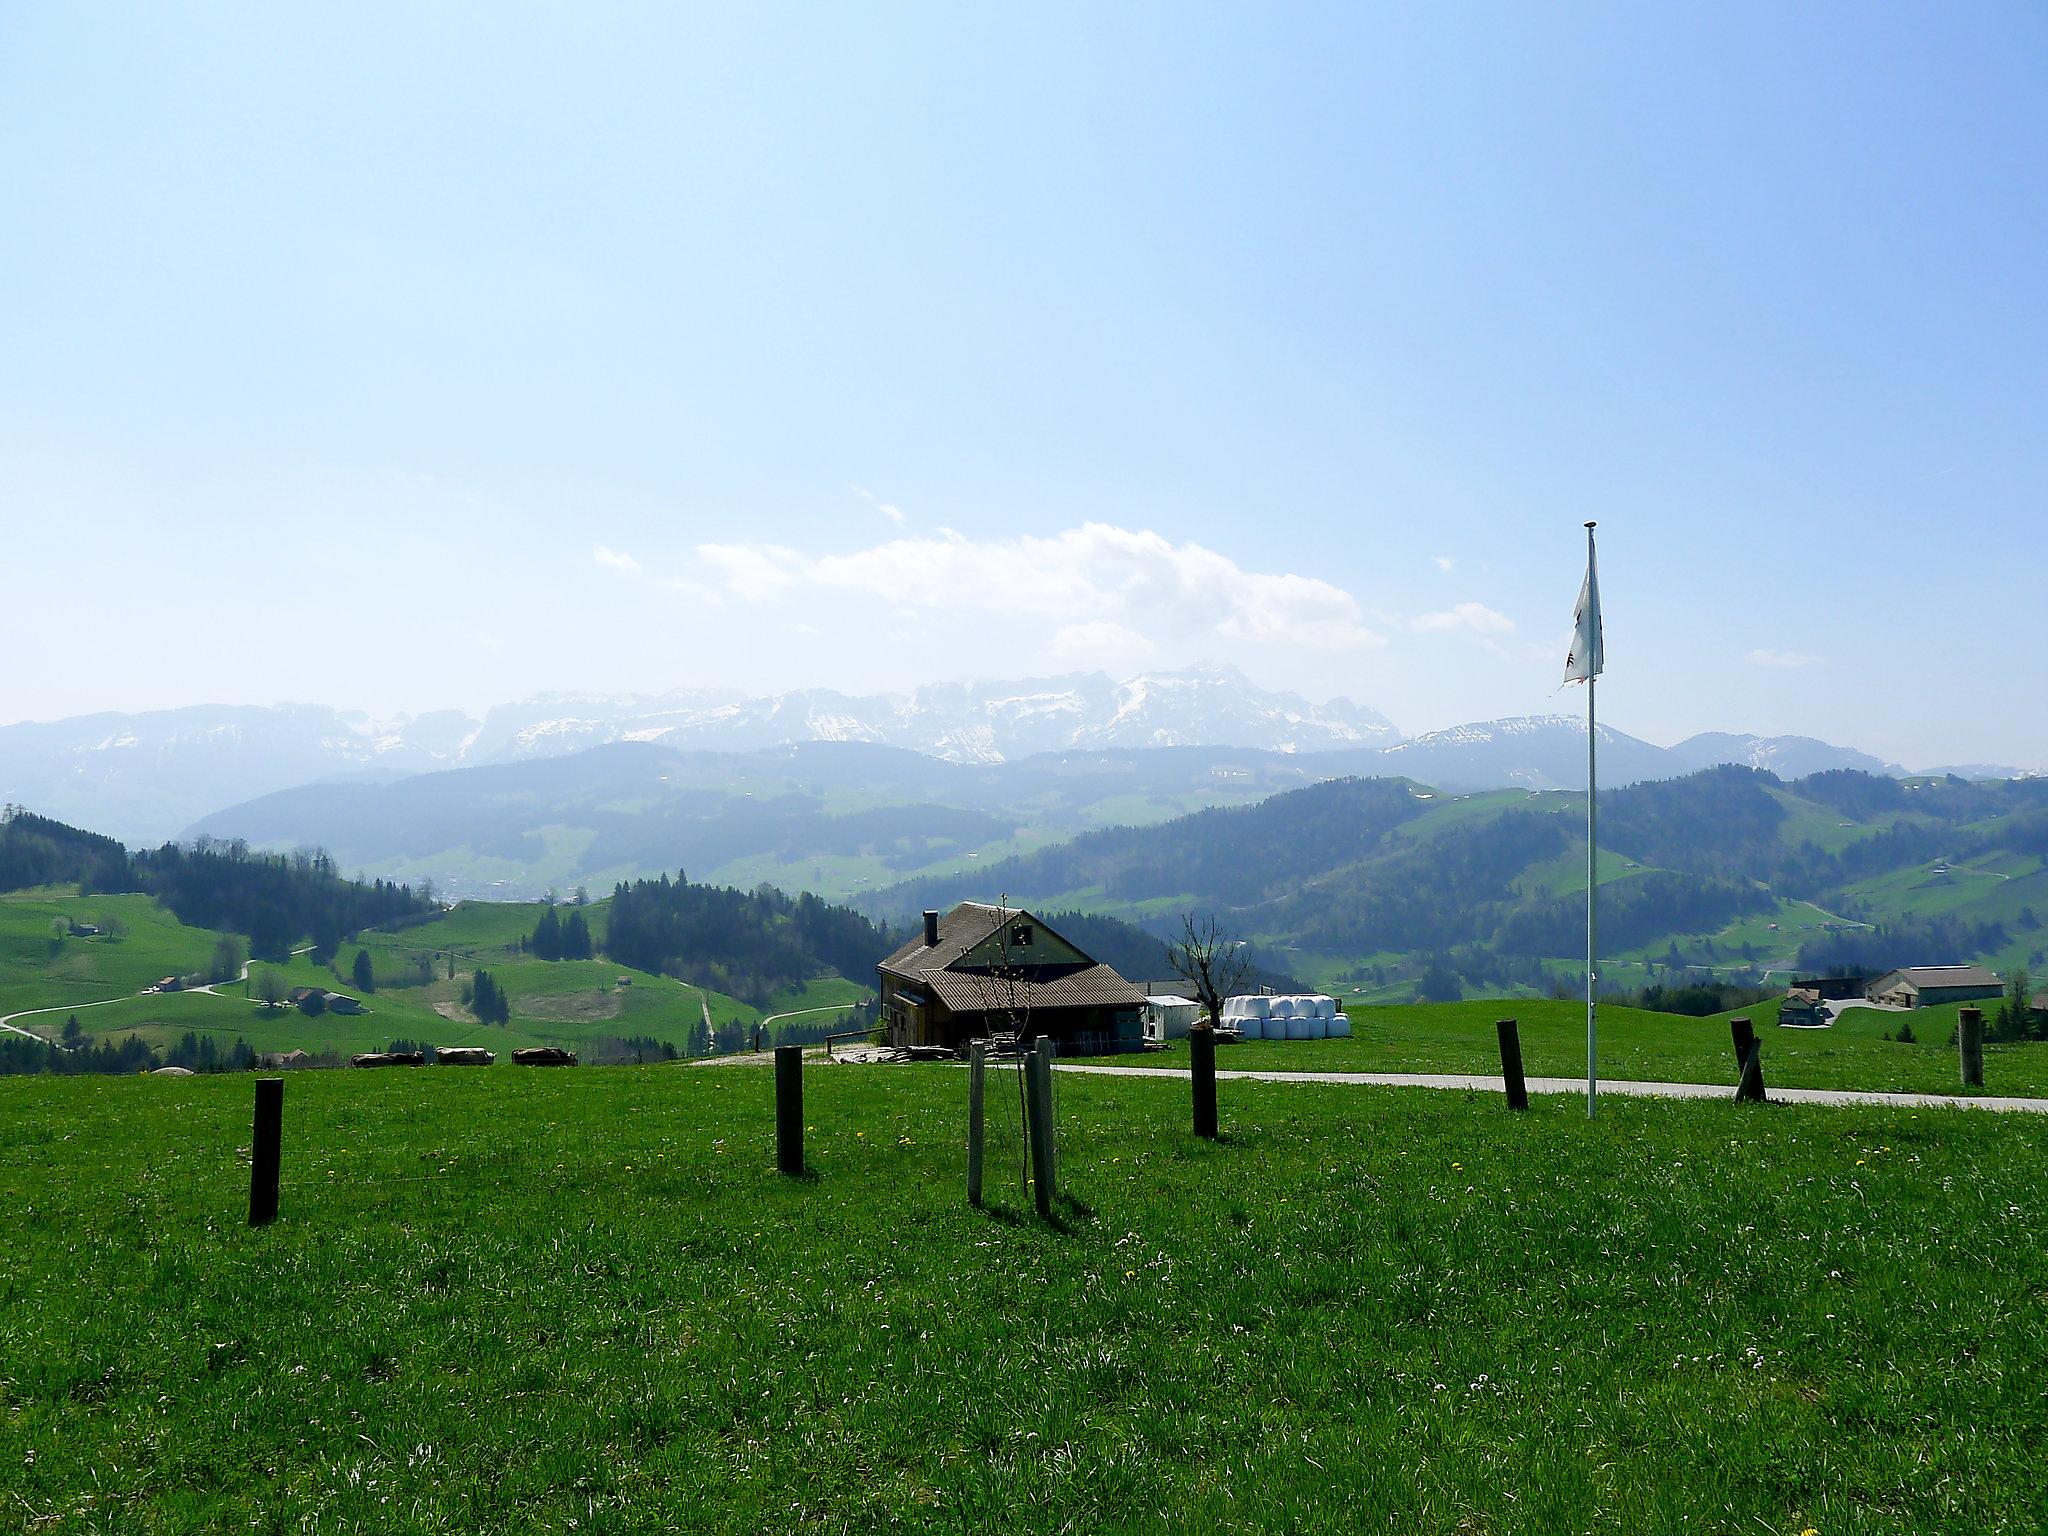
981	971
1830	989
1926	986
320	1000
1802	1006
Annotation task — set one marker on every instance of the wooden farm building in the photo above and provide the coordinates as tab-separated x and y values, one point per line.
1926	986
1802	1006
981	971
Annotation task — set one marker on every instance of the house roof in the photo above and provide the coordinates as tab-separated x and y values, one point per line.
1925	976
1093	985
959	931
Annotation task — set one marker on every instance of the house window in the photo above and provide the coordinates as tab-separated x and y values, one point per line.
1020	936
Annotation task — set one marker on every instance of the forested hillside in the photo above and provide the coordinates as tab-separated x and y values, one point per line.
273	899
1730	872
749	944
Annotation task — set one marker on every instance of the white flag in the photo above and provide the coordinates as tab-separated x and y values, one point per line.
1586	659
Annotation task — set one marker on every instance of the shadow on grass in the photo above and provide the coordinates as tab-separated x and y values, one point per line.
1067	1217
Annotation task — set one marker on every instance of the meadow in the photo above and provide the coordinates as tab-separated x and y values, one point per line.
37	971
566	1003
529	1301
1645	1046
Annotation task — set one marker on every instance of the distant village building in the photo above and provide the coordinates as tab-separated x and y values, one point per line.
1928	986
1802	1006
320	1000
981	971
1832	989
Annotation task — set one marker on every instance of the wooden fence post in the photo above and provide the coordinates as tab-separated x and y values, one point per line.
265	1151
1202	1057
1511	1064
1970	1045
977	1080
1038	1094
789	1108
1749	1061
1049	1049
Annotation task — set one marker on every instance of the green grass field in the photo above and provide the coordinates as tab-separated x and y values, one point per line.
568	1003
524	1301
1651	1047
37	973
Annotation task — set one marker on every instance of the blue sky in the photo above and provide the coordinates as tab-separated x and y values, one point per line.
424	355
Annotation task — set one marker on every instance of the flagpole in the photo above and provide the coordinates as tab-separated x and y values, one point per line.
1592	876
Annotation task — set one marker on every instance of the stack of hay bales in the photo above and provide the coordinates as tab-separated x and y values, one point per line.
1296	1016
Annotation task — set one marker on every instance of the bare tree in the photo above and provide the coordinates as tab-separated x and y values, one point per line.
1213	964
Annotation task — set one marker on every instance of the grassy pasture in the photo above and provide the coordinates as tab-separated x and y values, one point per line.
524	1301
1653	1047
35	973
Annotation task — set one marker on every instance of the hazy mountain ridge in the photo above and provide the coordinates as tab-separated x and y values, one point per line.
148	776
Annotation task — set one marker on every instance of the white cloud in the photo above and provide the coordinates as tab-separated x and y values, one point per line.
1779	658
1475	617
751	571
616	561
1444	563
888	509
1096	573
1099	639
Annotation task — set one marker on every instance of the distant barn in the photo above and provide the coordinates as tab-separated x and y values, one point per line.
1928	986
981	971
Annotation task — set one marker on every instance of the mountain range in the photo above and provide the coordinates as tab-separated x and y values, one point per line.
150	776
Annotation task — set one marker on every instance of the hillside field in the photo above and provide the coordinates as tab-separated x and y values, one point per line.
570	1003
528	1301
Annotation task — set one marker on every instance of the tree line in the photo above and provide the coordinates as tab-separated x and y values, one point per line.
748	944
274	898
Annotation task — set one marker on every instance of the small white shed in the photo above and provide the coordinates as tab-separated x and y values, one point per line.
1170	1018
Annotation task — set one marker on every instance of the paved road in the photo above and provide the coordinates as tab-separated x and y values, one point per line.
1628	1090
797	1013
28	1013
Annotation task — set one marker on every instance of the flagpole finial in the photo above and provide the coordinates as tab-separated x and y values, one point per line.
1592	525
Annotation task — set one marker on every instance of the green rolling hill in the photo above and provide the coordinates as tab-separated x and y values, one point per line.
1729	874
